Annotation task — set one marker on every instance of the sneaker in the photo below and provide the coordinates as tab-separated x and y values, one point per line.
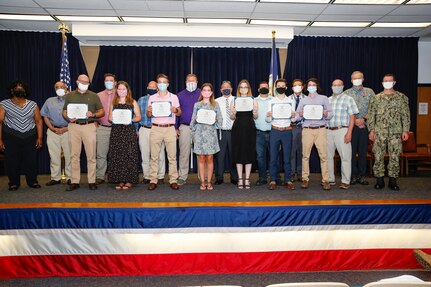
53	182
181	182
344	185
330	183
100	181
304	184
361	180
353	180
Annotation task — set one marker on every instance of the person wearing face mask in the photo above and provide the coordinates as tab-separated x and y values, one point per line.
83	131
362	96
144	129
104	127
205	143
243	136
187	97
123	147
225	135
296	156
280	135
389	123
163	131
339	132
57	135
21	129
314	132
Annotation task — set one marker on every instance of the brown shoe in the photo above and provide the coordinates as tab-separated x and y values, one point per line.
272	185
174	186
423	258
326	186
152	186
304	184
344	185
289	185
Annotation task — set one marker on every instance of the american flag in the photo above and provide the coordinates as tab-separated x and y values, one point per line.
64	65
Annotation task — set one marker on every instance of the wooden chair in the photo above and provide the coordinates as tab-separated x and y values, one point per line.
411	153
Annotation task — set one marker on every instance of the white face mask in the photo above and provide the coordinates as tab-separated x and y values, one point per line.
82	87
312	89
388	85
357	82
60	92
297	89
191	86
337	89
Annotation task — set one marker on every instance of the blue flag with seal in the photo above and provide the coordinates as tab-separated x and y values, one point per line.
273	70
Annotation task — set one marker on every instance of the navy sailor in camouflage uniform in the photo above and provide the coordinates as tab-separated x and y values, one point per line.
389	123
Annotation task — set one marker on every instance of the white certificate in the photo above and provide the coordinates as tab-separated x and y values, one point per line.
161	109
205	116
122	116
281	111
244	104
77	111
313	112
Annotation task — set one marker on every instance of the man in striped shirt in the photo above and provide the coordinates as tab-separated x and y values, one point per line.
339	132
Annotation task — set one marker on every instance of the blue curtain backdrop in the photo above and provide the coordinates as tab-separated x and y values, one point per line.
34	57
328	58
139	65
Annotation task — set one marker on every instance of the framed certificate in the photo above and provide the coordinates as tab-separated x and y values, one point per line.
313	112
161	109
207	117
77	111
244	104
122	116
281	111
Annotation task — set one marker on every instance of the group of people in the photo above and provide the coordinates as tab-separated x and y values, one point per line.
200	122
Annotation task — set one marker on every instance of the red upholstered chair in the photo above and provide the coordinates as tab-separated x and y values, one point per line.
412	153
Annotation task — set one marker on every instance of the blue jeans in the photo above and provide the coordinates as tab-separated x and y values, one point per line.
277	138
262	149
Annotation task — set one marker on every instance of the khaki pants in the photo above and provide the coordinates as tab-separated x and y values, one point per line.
102	139
185	150
168	136
316	137
78	135
336	142
145	147
56	143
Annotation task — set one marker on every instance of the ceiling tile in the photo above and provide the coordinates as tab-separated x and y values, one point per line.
416	18
412	10
129	5
290	8
350	18
359	9
210	14
280	16
30	25
22	10
322	31
15	3
165	5
76	12
388	32
425	34
298	30
244	7
75	4
148	13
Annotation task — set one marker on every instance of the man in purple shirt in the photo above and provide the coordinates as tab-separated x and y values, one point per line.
187	98
315	110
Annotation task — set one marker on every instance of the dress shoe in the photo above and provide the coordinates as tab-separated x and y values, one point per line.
72	186
35	185
423	258
13	187
174	186
234	181
100	181
380	183
362	181
326	186
392	184
272	185
344	185
354	180
218	181
304	184
145	181
53	182
289	185
92	186
69	182
152	186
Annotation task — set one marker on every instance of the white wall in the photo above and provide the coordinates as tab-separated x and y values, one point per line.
424	67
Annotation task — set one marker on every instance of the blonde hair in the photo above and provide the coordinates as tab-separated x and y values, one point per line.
249	88
129	99
212	100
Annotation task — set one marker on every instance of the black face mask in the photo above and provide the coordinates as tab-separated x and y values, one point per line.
264	91
19	93
151	92
281	90
226	92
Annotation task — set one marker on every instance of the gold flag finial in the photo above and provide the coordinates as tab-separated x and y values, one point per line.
273	34
63	28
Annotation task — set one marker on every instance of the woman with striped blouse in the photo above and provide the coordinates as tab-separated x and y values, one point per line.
20	135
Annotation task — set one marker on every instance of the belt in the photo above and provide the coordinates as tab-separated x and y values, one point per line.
281	129
147	127
336	128
106	126
163	125
84	123
59	127
314	128
263	131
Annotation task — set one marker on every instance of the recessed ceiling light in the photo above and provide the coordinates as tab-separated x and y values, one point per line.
367	2
419	2
153	20
216	21
279	23
298	1
88	18
401	25
341	24
26	17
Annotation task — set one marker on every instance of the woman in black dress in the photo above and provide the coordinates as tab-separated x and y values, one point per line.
243	136
123	143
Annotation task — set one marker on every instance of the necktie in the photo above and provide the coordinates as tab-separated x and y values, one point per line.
228	120
298	99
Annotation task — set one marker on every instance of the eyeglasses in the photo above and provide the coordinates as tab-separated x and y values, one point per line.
60	87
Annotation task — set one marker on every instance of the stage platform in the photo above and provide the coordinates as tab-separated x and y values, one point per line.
49	232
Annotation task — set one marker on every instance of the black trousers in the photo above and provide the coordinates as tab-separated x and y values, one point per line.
20	156
224	157
360	147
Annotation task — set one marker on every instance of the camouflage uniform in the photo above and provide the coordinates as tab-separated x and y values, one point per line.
388	118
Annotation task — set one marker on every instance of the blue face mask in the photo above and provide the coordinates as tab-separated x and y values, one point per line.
312	89
151	92
109	85
162	86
